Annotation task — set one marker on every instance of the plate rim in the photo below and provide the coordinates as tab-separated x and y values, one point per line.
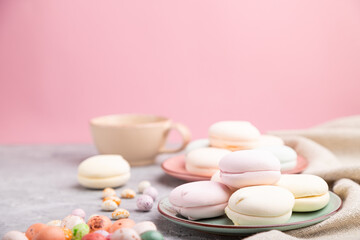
200	178
191	222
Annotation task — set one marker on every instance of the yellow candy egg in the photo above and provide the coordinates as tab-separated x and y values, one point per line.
128	193
120	213
108	192
116	199
67	233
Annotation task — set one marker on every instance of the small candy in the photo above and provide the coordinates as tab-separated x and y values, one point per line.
120	213
108	192
109	205
152	192
152	235
94	236
79	212
34	229
125	234
108	236
102	232
14	235
144	203
122	223
99	223
116	199
145	226
70	221
143	185
55	223
128	193
79	231
67	233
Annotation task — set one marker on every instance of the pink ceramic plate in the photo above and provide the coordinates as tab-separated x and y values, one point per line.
175	167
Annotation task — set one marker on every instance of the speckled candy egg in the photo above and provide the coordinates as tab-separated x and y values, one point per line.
55	223
94	236
79	212
14	235
102	232
67	233
50	233
120	213
144	203
108	192
152	235
144	226
79	231
34	229
152	192
70	221
128	193
116	199
125	234
99	223
122	223
108	205
143	185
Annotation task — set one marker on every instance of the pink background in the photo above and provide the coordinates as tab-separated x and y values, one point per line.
280	64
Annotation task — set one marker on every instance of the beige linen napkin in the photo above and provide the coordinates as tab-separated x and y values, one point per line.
333	152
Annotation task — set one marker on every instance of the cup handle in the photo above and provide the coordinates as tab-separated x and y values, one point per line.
185	134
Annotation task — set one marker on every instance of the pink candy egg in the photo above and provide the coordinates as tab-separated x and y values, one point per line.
102	232
93	236
79	212
144	203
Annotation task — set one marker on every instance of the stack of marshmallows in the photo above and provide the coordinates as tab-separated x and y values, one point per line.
246	181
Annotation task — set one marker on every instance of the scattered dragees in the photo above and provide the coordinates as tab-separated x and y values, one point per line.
99	227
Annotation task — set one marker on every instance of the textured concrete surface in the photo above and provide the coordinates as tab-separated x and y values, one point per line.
38	184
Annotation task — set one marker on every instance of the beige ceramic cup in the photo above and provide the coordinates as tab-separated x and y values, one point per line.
138	138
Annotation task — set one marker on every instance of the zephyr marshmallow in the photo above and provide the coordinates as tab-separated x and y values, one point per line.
260	205
311	192
198	200
234	135
249	168
204	161
103	171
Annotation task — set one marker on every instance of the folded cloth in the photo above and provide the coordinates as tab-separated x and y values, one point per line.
333	152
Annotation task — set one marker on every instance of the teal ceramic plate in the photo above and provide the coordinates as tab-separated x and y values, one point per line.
222	225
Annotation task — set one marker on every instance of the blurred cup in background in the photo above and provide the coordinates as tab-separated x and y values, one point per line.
139	138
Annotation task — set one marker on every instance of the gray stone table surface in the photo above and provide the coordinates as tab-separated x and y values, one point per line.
38	183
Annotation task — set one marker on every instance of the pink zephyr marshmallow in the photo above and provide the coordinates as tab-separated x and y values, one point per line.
249	168
198	200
